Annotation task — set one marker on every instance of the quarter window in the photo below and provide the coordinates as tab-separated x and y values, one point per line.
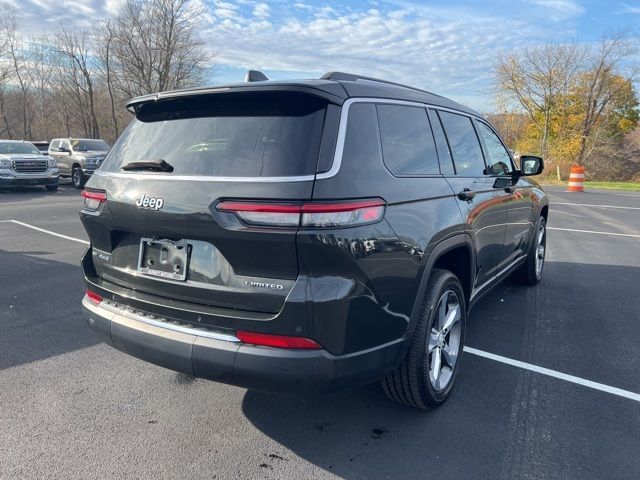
408	147
463	141
498	159
362	142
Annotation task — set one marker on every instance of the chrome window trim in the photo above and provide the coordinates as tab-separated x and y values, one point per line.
344	117
337	157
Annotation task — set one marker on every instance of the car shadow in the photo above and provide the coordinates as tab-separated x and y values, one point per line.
40	314
360	434
21	194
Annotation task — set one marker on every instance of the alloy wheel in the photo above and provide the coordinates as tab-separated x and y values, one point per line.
444	341
75	177
540	248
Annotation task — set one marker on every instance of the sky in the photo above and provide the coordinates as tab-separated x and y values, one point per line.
447	47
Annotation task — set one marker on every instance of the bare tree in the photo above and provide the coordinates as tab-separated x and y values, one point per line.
535	79
77	73
15	52
105	40
606	77
41	76
155	46
5	75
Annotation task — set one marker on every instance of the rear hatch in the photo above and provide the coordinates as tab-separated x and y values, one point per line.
159	230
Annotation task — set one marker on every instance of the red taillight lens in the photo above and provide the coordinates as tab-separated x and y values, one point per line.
268	214
92	200
343	214
307	214
94	297
277	341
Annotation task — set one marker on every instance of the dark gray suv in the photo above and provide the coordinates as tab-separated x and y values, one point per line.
306	236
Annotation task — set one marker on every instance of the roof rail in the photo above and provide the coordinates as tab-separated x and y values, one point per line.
255	76
350	77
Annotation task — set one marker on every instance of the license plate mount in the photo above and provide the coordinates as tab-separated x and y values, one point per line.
166	259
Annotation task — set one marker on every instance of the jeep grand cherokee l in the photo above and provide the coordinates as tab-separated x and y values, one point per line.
306	236
22	164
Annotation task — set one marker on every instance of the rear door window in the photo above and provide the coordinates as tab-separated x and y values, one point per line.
408	147
226	135
444	154
464	144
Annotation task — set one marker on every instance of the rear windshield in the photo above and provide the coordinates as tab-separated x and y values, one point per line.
229	135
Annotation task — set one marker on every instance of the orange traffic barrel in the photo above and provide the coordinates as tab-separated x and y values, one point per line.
576	179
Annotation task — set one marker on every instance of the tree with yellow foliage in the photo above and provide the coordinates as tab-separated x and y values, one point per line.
579	100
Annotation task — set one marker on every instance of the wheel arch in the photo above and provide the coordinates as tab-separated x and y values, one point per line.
455	254
544	212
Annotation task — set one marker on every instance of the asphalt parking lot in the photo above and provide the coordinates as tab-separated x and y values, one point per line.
71	407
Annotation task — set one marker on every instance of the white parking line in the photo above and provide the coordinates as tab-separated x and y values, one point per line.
597	206
555	374
633	235
46	231
492	356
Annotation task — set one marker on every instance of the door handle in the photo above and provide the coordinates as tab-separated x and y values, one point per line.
466	194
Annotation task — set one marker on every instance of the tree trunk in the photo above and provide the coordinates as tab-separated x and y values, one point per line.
110	90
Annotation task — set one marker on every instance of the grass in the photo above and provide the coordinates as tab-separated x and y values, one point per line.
629	186
634	186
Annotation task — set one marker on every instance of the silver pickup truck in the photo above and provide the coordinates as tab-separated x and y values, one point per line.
22	164
78	158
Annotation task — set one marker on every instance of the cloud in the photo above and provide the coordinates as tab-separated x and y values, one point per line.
261	10
626	8
449	51
567	7
446	49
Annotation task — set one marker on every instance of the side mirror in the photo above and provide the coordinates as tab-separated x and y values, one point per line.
63	150
531	165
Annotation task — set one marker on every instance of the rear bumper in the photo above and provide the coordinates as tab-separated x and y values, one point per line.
222	357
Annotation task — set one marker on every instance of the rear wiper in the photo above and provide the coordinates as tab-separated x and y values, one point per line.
158	165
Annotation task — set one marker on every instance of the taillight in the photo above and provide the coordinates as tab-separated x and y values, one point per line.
271	214
306	214
277	341
93	200
343	214
94	297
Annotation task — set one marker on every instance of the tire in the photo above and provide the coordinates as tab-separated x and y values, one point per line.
530	272
412	383
77	177
51	188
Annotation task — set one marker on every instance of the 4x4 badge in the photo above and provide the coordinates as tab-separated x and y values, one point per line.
145	201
